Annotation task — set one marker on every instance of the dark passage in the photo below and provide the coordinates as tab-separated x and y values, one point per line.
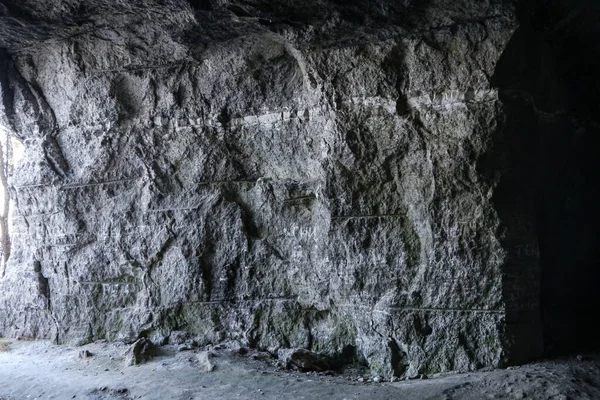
549	78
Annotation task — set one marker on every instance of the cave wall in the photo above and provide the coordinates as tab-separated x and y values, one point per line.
272	174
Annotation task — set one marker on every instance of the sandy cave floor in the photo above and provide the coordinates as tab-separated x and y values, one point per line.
40	370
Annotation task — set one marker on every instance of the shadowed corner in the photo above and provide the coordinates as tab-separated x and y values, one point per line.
548	82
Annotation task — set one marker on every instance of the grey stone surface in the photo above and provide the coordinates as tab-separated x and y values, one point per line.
302	359
290	175
140	351
204	361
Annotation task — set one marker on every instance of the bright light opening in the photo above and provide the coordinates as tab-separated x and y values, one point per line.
11	152
18	151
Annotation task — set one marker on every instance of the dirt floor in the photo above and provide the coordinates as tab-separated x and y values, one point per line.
40	370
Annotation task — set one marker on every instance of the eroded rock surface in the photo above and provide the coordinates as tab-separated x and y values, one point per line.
140	351
308	175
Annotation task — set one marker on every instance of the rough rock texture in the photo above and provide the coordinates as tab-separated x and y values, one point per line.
204	361
140	351
314	174
302	360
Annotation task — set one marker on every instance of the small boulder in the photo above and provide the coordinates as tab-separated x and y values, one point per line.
83	354
304	360
140	351
260	356
204	361
184	347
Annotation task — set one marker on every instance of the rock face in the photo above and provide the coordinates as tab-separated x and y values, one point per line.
311	174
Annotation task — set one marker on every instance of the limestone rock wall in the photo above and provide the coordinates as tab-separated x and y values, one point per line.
272	174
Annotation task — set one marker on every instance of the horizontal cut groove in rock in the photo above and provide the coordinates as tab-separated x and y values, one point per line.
426	309
242	181
76	185
240	301
457	310
253	181
159	210
36	215
33	186
84	185
347	217
108	283
135	68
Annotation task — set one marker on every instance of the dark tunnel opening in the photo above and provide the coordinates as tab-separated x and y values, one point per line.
549	79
